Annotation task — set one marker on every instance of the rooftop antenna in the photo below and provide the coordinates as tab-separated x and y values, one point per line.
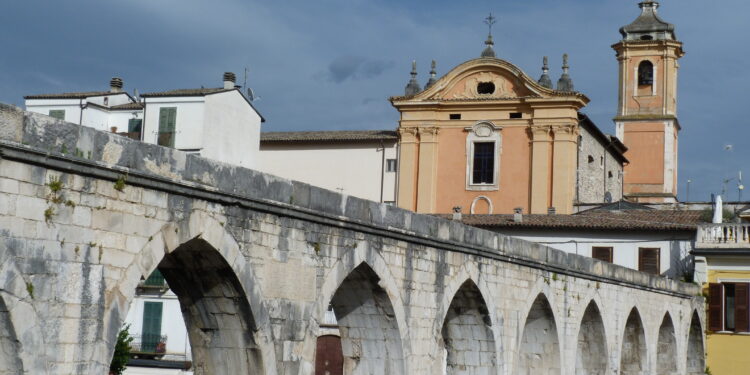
740	186
250	93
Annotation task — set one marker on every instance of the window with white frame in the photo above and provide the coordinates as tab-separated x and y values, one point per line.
483	148
391	165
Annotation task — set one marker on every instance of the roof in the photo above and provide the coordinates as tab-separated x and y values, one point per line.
330	136
126	106
200	92
186	92
647	23
628	220
610	142
73	95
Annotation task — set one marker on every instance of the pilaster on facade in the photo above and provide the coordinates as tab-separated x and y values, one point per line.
428	165
408	159
564	164
541	153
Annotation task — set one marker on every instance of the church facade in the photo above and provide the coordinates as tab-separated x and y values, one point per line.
488	139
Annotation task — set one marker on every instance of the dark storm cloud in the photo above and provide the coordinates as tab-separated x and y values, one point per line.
356	67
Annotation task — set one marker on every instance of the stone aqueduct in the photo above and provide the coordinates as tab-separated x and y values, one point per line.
256	261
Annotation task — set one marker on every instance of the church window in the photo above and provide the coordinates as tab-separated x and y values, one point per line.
483	150
516	115
484	163
647	37
486	88
455	116
645	73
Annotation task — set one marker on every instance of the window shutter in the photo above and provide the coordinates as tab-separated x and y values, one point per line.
151	332
167	124
602	253
741	307
648	260
715	304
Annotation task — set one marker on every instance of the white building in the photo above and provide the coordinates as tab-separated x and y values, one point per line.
216	123
627	234
357	163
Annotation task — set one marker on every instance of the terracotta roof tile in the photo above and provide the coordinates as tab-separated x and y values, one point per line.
126	106
71	95
186	92
329	136
630	220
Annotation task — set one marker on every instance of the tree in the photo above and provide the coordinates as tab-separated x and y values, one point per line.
122	352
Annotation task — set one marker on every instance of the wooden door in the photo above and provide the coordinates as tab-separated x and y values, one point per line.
329	359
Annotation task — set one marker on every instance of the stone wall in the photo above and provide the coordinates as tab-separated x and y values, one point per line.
256	260
598	171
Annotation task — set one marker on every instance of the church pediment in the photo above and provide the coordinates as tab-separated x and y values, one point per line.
483	85
485	79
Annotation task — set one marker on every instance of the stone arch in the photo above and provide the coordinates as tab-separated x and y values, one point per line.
633	353
203	264
539	348
467	335
21	341
666	349
696	358
591	350
475	202
347	263
370	335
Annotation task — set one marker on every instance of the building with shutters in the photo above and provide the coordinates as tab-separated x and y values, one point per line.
723	267
217	123
631	235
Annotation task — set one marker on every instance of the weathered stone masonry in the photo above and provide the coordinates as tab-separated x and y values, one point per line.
256	260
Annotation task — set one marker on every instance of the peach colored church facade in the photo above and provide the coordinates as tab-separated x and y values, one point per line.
449	129
533	130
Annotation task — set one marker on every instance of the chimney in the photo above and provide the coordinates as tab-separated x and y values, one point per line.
229	79
551	211
457	213
518	215
115	84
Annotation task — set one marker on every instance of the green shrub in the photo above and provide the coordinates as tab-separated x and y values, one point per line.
122	352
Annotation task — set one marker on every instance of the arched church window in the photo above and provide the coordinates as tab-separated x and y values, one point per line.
646	73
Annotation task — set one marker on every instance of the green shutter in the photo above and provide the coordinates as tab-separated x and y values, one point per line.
155	279
134	125
167	124
57	113
151	330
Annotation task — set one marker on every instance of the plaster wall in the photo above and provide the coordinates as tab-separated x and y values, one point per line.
675	258
188	126
351	168
231	130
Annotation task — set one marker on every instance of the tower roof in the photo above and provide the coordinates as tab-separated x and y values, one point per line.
648	26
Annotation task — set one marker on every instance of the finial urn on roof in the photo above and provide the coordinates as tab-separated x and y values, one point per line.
544	80
565	83
413	88
433	74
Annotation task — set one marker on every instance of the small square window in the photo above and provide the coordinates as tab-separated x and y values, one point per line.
57	113
602	253
516	115
391	165
648	260
455	116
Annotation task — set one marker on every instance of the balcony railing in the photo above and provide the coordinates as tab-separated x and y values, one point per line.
723	236
148	345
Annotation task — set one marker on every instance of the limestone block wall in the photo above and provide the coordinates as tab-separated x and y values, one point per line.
256	260
594	175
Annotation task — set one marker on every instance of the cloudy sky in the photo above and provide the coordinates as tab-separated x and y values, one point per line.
332	64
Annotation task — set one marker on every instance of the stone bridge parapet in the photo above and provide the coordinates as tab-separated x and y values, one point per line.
256	260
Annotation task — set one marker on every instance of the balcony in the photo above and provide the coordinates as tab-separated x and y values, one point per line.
723	236
148	346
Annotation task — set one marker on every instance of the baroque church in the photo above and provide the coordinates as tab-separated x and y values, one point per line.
486	138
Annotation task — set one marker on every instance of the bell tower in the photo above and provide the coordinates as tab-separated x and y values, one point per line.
646	118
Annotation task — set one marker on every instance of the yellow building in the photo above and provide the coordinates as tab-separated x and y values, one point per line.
722	257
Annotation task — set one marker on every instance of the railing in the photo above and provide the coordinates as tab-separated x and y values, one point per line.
723	236
154	345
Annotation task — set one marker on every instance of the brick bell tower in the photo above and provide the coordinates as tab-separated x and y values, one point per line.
646	118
